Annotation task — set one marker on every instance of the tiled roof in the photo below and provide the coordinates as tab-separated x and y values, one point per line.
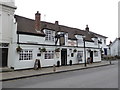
26	25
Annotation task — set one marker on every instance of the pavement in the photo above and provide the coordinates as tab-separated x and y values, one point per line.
9	74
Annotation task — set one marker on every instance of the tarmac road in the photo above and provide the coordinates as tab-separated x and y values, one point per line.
100	77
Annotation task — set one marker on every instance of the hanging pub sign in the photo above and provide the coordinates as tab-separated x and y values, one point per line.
62	40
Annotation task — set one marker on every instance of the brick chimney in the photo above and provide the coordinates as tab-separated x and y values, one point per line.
87	28
56	22
37	21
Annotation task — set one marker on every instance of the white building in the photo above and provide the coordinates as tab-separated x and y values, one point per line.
26	40
115	47
7	10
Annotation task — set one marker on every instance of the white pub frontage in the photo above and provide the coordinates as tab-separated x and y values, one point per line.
50	43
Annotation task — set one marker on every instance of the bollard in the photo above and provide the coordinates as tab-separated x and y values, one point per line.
54	68
110	61
70	62
58	63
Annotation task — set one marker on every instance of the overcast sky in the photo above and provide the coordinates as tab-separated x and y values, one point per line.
100	15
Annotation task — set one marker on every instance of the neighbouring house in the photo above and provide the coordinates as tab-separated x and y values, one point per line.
26	40
7	9
115	47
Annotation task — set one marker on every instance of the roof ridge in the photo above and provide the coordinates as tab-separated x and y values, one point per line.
23	17
98	34
49	22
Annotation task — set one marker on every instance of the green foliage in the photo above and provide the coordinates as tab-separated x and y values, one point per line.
75	50
42	49
57	50
18	49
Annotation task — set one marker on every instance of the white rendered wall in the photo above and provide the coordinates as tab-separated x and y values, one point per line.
6	19
0	23
31	39
119	47
114	48
22	64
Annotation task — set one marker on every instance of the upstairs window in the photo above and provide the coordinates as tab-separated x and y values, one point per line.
96	41
104	41
80	40
100	40
49	35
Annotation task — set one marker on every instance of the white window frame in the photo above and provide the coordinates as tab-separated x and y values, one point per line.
80	40
100	40
96	41
96	54
104	41
49	35
26	54
49	55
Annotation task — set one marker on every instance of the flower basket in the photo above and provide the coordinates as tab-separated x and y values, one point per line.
43	49
75	50
95	51
89	50
57	50
18	49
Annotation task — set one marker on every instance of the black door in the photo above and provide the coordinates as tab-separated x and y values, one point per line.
64	57
105	50
91	56
3	60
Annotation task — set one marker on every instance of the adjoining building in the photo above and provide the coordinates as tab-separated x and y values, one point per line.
50	43
115	47
7	9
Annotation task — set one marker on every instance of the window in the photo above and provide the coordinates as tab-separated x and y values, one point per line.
96	53
49	35
104	41
80	55
100	40
26	55
96	41
80	41
49	55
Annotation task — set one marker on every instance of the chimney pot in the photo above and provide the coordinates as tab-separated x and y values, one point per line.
56	22
87	28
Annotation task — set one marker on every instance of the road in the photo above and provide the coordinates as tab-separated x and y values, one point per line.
100	77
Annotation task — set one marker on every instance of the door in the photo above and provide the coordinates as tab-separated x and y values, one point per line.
105	50
64	57
3	61
91	56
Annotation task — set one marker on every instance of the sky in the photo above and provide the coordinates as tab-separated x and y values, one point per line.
100	15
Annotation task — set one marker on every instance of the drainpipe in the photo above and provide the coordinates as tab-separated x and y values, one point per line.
84	51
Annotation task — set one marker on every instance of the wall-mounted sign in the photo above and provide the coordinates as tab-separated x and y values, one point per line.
4	44
71	43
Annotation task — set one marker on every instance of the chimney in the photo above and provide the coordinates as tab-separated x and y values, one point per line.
87	28
56	22
37	21
110	42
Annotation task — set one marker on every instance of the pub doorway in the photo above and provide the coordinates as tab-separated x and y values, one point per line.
64	57
3	60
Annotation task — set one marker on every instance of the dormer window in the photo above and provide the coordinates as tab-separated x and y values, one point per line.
104	41
96	41
49	35
100	40
80	40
